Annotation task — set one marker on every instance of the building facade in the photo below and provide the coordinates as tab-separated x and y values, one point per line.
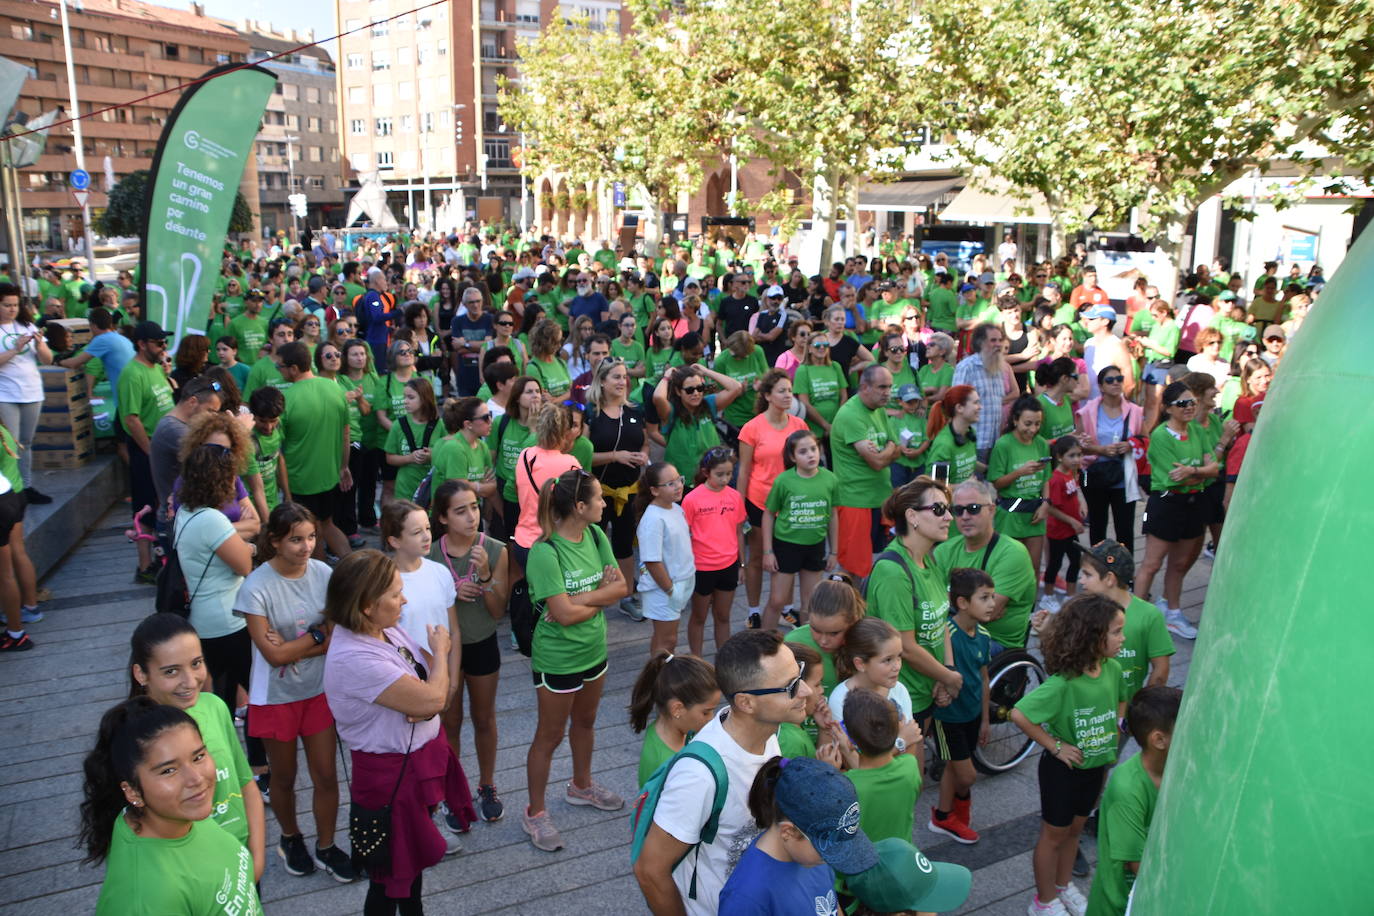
122	50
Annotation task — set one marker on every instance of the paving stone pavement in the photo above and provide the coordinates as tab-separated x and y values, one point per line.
54	697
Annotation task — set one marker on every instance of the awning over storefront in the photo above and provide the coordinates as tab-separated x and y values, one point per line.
905	196
997	202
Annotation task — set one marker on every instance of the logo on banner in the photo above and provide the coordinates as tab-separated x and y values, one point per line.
196	141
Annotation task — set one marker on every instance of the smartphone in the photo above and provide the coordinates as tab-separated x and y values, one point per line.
940	471
1046	460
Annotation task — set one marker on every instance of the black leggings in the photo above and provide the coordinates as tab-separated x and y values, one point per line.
379	904
365	464
346	511
230	660
1059	549
620	527
1102	499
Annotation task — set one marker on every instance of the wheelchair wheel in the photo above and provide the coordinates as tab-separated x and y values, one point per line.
1011	675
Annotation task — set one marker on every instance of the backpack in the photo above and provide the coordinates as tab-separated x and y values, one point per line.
421	495
642	812
173	595
895	557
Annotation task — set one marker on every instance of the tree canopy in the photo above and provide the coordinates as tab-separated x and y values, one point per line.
127	212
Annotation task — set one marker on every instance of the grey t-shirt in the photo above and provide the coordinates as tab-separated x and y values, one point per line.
166	443
291	607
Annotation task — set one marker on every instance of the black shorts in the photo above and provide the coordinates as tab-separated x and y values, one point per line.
324	505
569	683
924	718
754	513
793	558
956	740
717	580
388	469
481	658
1066	792
12	505
1212	497
141	487
1175	517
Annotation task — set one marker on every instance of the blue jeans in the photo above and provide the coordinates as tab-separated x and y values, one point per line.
903	475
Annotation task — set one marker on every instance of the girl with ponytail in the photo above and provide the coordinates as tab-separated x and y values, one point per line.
680	692
954	443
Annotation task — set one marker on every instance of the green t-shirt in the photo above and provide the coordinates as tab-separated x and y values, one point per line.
803	506
903	376
1058	419
313	429
887	797
930	378
454	459
689	439
823	385
916	425
265	372
409	475
1081	711
557	565
266	450
860	485
653	753
746	371
144	393
232	772
793	741
890	598
240	373
631	353
354	291
1009	453
1231	331
9	460
506	447
943	302
1147	637
1009	564
251	333
1164	339
582	451
1128	807
205	873
355	413
961	458
552	375
374	390
829	677
1166	450
655	364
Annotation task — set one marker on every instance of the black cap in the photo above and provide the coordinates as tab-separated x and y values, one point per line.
149	330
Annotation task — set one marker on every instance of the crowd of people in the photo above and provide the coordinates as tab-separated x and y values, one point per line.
368	461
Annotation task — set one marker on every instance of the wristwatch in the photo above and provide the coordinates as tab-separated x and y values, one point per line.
899	745
316	634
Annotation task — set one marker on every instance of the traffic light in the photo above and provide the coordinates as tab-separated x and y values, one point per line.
458	130
298	203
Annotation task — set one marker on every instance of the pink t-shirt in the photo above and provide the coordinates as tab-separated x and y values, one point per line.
714	519
788	363
357	670
543	465
767	443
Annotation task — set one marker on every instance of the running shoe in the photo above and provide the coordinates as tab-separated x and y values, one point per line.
489	804
790	617
20	643
1210	551
1073	899
452	821
632	607
1053	908
543	834
1179	625
952	827
755	621
147	576
291	850
596	795
30	614
357	541
336	862
264	781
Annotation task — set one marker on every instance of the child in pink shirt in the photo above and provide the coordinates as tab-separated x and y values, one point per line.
715	516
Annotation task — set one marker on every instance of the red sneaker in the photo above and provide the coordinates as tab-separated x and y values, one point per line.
952	827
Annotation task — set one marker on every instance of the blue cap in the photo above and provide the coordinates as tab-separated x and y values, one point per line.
908	393
966	287
823	804
1100	311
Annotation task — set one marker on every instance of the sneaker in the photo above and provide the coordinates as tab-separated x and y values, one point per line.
1073	900
952	827
489	804
790	617
631	608
1210	551
755	621
1051	603
20	643
264	781
543	834
1179	625
453	823
30	614
334	861
452	844
357	541
598	796
36	498
1081	868
292	851
1053	908
146	576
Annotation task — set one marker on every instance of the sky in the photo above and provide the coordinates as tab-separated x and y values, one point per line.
298	14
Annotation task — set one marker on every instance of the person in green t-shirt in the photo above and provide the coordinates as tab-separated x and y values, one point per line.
267	406
267	371
463	453
742	360
909	427
250	329
1128	805
943	303
315	444
1019	467
953	453
834	608
628	349
573	578
687	414
821	386
546	364
1159	345
680	692
410	441
886	780
799	517
1108	570
1073	715
862	446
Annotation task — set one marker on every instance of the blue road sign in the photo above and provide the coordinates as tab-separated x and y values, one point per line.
80	179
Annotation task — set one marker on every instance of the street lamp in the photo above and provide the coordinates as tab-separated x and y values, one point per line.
524	187
291	182
76	136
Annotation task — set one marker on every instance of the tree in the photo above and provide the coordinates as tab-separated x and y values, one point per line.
1110	107
126	214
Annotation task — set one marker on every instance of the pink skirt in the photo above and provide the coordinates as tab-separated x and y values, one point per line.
432	775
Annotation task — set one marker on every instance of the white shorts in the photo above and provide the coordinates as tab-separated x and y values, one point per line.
656	604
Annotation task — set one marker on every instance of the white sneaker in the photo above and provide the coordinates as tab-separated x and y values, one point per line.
1054	908
1179	625
1051	603
1073	900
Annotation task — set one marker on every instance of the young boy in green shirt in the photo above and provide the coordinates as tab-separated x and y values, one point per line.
910	428
886	778
1128	805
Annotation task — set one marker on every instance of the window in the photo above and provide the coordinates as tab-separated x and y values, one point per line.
405	89
383	127
293	122
358	161
381	94
355	95
379	30
403	56
422	53
312	125
352	25
443	47
527	12
357	127
381	60
427	123
333	154
316	183
171	52
315	153
355	61
403	22
21	31
329	98
101	42
291	92
312	95
384	159
497	150
407	124
330	129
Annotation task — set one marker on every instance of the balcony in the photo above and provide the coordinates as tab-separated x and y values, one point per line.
499	58
497	23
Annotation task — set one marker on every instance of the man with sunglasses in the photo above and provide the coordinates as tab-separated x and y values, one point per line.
1006	559
765	687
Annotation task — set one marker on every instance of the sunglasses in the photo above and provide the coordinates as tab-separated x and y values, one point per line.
693	389
1185	402
791	689
936	509
896	349
821	344
405	352
505	324
486	417
328	355
910	317
968	509
1111	379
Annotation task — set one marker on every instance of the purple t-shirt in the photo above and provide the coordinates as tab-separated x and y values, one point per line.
232	510
357	670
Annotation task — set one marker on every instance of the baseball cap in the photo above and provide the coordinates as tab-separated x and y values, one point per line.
1227	296
773	292
909	393
523	273
316	284
885	285
149	330
1275	330
904	879
1100	311
967	287
824	805
1116	558
253	294
691	281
